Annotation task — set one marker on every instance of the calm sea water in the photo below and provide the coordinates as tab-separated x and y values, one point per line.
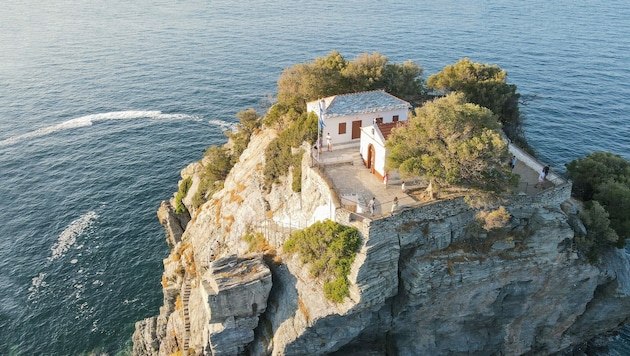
102	103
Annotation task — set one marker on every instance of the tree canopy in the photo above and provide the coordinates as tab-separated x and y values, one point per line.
453	142
485	85
333	75
605	178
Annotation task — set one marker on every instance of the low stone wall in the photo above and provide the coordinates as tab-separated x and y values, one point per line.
548	197
315	175
451	215
532	163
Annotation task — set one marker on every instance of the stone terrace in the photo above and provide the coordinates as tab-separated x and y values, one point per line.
355	185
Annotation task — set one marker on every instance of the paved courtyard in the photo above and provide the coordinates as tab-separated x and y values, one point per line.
355	185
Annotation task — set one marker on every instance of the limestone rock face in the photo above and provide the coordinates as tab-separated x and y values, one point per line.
505	302
424	281
237	291
174	224
145	341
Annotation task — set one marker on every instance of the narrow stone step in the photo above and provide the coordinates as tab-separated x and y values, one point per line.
186	336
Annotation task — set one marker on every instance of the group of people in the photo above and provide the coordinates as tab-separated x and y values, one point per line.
372	205
395	205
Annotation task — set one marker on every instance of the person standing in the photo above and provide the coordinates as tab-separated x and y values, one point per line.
372	205
329	141
402	187
541	178
513	162
395	204
386	180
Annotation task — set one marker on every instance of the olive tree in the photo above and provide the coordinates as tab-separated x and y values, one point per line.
485	85
452	142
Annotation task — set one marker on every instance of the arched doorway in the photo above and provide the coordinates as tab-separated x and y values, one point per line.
371	157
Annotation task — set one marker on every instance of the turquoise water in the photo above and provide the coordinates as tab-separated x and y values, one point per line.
101	105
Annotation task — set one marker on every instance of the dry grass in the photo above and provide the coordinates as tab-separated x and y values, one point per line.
230	220
235	198
217	215
303	309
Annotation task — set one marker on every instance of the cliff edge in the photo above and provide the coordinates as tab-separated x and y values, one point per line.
423	282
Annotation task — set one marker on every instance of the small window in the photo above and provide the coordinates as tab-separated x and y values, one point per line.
342	128
395	118
379	120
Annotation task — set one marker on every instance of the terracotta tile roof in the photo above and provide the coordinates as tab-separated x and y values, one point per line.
386	128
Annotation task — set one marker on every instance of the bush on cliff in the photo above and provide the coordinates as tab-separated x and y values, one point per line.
599	234
219	160
329	248
279	156
217	164
604	178
184	187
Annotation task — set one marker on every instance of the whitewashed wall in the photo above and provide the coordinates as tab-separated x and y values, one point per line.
332	123
371	135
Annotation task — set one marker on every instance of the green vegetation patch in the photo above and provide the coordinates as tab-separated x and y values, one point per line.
602	181
219	160
279	156
330	249
485	85
184	187
453	143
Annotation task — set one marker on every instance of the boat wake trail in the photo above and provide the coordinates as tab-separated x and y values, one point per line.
88	120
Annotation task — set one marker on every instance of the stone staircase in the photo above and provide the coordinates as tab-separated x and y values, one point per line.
186	336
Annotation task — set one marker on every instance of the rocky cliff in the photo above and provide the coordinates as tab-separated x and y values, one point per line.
422	283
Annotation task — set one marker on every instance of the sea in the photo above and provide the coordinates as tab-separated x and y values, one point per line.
102	103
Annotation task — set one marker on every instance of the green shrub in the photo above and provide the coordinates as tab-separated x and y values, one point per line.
330	249
184	187
599	234
256	242
278	156
337	290
605	177
296	185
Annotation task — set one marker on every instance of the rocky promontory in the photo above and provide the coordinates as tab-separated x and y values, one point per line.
422	283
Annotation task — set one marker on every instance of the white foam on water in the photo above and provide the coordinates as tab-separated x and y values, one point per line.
68	236
127	301
88	120
37	283
223	124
